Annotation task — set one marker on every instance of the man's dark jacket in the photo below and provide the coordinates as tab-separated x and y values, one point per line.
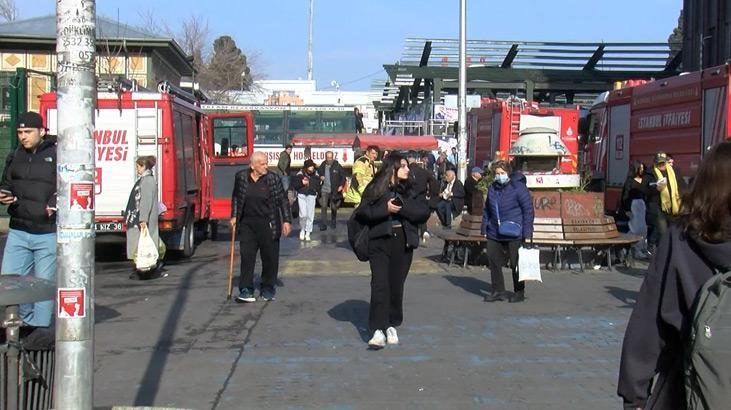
457	195
31	176
652	195
515	204
654	342
279	212
424	185
337	179
470	188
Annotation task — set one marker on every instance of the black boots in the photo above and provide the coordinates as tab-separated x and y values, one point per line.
516	297
496	296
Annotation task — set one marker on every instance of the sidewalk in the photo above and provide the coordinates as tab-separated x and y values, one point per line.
176	342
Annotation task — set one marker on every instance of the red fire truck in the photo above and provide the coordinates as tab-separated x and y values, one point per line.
169	125
683	116
542	139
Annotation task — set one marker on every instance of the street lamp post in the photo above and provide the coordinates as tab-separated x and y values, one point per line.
462	98
76	56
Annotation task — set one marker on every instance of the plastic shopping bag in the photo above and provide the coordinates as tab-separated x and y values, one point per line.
147	252
529	264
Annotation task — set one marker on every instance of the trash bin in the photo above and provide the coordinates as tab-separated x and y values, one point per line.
27	363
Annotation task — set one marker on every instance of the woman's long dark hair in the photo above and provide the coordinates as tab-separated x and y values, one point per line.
706	207
635	170
381	182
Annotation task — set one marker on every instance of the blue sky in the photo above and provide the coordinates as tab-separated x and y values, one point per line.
353	39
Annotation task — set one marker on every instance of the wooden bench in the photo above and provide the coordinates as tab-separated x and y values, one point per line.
455	240
624	241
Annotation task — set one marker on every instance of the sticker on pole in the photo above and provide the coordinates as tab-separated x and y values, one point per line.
71	303
81	196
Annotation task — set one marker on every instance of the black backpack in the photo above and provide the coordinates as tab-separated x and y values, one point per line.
358	237
708	354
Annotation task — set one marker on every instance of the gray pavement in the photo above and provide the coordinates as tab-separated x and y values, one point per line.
176	342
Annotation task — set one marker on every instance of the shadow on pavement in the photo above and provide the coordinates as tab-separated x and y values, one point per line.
103	313
355	312
470	284
628	297
150	383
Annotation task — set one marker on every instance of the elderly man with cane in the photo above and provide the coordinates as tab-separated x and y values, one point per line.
261	213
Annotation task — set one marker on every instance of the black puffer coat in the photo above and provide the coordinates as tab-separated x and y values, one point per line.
31	176
374	213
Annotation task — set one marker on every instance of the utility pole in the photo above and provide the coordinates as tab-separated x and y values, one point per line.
76	100
309	41
462	98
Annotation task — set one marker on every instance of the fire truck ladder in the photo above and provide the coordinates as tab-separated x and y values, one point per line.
516	108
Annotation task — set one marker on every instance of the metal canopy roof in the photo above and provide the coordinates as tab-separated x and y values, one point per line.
538	70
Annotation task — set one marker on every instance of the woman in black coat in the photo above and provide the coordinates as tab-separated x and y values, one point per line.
392	213
688	255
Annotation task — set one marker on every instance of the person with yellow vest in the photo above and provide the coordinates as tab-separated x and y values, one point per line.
364	168
664	189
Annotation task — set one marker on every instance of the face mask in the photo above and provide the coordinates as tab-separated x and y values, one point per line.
501	178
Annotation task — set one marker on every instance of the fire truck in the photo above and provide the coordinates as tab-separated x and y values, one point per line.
169	125
542	141
683	116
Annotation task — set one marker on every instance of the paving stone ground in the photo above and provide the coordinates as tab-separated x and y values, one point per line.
176	342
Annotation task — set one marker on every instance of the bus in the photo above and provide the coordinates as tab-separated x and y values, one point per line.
276	125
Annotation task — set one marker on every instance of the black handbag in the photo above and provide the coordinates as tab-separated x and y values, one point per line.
358	237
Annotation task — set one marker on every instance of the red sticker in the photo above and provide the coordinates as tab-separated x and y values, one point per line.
71	303
81	196
97	181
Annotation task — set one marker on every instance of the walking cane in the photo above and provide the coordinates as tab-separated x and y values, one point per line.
231	263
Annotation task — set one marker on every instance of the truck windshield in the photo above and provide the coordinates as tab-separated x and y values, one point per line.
229	137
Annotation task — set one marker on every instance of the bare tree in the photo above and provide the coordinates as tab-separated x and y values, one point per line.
8	11
193	36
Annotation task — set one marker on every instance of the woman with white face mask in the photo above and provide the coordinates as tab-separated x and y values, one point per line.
507	221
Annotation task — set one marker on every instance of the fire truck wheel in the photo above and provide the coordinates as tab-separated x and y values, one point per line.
188	238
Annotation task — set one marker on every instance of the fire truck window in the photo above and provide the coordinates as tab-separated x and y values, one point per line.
338	121
179	154
229	137
536	164
269	127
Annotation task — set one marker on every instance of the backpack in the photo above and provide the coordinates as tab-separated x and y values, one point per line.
358	237
708	353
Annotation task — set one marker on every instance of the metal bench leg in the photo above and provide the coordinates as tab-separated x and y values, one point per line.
580	251
466	256
451	254
609	258
560	258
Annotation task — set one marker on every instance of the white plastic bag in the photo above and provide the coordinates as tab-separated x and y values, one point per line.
146	252
529	264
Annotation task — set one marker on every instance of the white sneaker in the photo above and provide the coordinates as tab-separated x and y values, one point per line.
302	235
307	236
391	336
426	236
378	341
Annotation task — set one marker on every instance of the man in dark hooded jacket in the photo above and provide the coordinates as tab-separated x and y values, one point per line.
28	188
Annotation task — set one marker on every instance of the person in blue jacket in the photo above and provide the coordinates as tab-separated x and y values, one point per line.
507	221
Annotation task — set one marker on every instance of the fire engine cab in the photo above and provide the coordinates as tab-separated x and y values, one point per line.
167	124
683	116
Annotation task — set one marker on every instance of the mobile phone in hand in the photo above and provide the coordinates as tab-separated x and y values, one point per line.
6	192
398	202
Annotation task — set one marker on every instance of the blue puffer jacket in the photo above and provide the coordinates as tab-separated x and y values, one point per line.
515	204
